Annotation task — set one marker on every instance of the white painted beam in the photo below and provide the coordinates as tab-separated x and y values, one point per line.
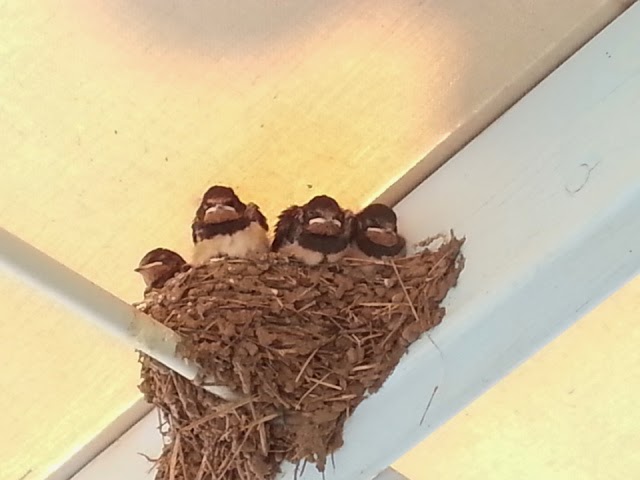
123	458
390	474
98	306
549	199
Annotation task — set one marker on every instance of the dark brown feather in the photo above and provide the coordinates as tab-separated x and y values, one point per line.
375	250
202	231
330	244
287	228
254	214
323	244
194	230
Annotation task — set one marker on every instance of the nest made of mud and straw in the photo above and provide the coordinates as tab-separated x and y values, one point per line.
303	345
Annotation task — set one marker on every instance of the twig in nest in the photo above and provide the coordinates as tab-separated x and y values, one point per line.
148	458
174	457
243	380
182	462
391	334
324	384
263	420
306	364
260	425
367	261
178	388
200	473
218	413
360	368
227	464
349	396
413	308
313	387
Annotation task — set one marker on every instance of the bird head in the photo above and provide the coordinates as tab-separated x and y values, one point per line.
158	266
323	216
220	204
379	224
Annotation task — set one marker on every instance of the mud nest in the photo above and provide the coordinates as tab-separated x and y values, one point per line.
302	345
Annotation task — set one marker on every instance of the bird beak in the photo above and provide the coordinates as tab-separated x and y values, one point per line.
220	214
382	236
324	226
147	267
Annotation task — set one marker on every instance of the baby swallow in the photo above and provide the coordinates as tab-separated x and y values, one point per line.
158	266
318	231
375	234
224	226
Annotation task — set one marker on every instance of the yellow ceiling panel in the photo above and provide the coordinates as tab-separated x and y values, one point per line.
62	381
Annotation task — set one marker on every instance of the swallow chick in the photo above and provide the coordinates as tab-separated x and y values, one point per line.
158	266
375	234
224	226
318	231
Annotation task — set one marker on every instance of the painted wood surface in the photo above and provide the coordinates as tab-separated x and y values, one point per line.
548	198
390	474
